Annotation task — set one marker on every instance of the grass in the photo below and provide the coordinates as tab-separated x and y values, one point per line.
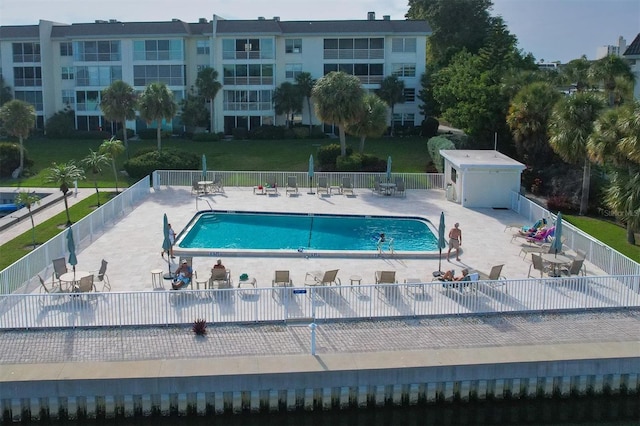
609	233
409	155
23	244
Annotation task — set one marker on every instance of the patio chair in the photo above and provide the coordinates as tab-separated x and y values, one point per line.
385	277
271	186
323	185
537	264
292	185
220	278
494	275
377	189
44	288
102	276
85	285
574	269
347	186
59	268
400	187
318	278
197	188
217	186
281	279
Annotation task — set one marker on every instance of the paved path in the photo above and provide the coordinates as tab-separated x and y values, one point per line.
606	333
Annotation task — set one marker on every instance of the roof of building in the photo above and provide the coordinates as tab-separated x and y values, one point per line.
480	158
634	47
19	32
272	26
117	28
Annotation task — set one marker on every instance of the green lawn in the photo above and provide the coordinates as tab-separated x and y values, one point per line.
409	155
611	234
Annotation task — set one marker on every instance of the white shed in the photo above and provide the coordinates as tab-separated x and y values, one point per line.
481	178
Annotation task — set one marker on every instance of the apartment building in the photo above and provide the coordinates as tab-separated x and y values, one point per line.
56	66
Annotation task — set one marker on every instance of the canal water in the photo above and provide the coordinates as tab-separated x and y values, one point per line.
600	410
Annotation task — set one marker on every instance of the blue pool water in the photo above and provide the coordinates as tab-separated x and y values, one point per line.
301	232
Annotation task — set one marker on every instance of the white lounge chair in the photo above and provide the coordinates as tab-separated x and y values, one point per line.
386	277
323	186
319	278
292	185
281	279
347	186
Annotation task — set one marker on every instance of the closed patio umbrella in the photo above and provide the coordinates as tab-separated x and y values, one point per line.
310	174
556	245
166	246
204	167
389	169
71	246
442	243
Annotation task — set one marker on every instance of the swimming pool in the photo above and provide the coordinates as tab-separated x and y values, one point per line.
213	233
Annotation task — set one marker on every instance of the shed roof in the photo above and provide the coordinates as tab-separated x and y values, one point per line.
480	158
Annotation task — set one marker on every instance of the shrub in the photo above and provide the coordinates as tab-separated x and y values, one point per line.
434	145
167	159
351	163
199	327
91	134
61	125
120	134
267	132
300	132
460	140
10	158
150	134
327	156
205	137
239	133
561	203
371	163
318	133
143	150
429	127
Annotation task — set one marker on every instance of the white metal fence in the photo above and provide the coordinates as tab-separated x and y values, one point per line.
18	311
251	178
84	232
598	253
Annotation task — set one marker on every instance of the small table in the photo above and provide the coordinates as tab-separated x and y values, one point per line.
258	190
555	260
156	278
249	281
388	187
205	185
355	279
336	188
71	278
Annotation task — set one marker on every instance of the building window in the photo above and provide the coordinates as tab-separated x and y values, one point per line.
367	73
293	45
403	70
94	51
291	71
406	119
247	48
66	48
27	76
202	47
87	100
67	73
172	75
97	75
158	50
68	98
247	100
403	45
201	67
409	95
454	175
354	48
33	97
26	52
247	74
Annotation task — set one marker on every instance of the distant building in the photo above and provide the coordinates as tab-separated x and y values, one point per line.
632	54
53	65
548	66
604	51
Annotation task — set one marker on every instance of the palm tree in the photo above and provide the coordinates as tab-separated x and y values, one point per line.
623	196
571	123
392	92
208	87
155	104
576	72
337	97
528	118
18	118
305	84
287	100
606	70
64	175
94	162
372	120
28	199
112	149
118	103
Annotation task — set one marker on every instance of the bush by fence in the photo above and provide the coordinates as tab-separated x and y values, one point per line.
434	145
168	159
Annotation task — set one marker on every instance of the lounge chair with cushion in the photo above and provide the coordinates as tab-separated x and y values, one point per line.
400	187
319	278
323	185
292	185
386	277
271	186
495	276
281	279
347	186
220	278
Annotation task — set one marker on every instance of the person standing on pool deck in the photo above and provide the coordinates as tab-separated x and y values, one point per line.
455	241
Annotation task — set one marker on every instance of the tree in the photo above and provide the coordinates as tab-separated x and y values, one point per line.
576	72
194	112
64	175
118	102
18	118
392	92
528	120
112	149
570	125
287	100
28	199
5	92
372	120
156	104
305	86
94	162
337	97
606	70
208	87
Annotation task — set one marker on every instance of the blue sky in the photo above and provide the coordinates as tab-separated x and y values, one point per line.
550	29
